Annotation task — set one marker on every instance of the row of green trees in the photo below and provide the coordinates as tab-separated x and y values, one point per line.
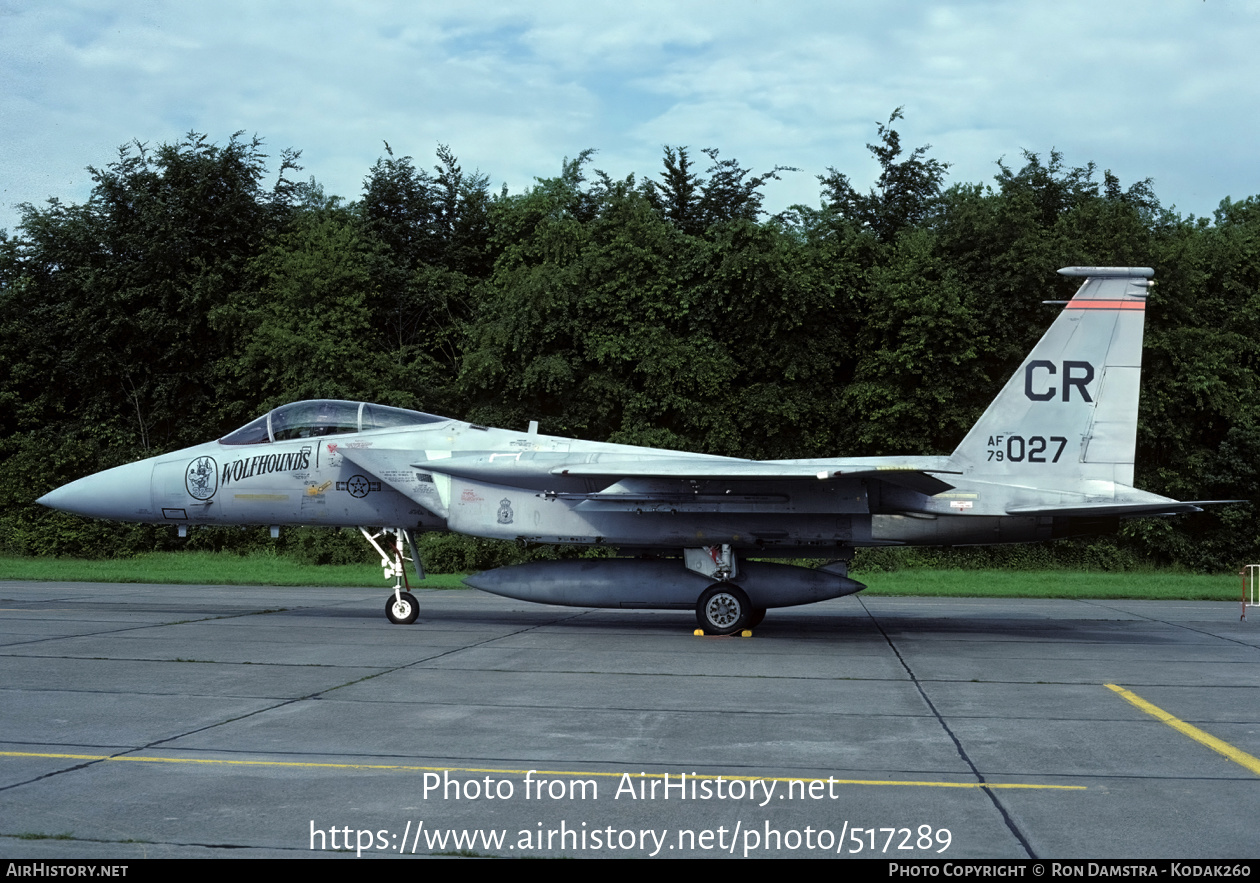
196	289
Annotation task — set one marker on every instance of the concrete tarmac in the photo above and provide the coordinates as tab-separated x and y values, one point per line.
197	721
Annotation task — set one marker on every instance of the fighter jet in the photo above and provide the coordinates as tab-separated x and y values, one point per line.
1051	457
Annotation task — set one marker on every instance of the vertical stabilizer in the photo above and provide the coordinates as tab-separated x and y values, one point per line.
1068	418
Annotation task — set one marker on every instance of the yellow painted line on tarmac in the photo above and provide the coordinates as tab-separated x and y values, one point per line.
1241	758
502	772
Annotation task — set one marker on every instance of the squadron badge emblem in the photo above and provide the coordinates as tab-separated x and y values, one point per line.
202	478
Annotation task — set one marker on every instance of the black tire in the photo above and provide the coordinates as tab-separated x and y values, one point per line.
754	618
723	609
402	610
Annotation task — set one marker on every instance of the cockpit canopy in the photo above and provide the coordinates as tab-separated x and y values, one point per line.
322	417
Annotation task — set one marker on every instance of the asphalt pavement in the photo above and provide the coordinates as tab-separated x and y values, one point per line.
198	721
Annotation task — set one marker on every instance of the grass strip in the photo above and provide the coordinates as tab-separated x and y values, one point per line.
207	568
1152	585
211	568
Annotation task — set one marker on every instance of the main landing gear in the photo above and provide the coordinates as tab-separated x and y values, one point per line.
401	607
723	608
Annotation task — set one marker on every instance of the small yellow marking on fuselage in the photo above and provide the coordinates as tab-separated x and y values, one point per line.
315	490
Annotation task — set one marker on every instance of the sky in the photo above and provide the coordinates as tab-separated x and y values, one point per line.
1165	89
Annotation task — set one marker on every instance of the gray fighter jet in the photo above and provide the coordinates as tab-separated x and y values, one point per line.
1051	457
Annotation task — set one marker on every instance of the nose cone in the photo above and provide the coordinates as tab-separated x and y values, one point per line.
124	493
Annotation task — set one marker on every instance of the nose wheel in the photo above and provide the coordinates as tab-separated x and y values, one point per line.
402	608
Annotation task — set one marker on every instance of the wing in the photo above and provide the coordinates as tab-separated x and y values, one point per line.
908	475
530	470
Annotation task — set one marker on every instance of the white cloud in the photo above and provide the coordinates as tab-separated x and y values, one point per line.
1166	89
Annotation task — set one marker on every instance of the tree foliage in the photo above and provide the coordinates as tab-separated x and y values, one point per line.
694	204
189	294
903	197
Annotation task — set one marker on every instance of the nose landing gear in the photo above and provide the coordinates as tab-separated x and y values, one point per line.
401	607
